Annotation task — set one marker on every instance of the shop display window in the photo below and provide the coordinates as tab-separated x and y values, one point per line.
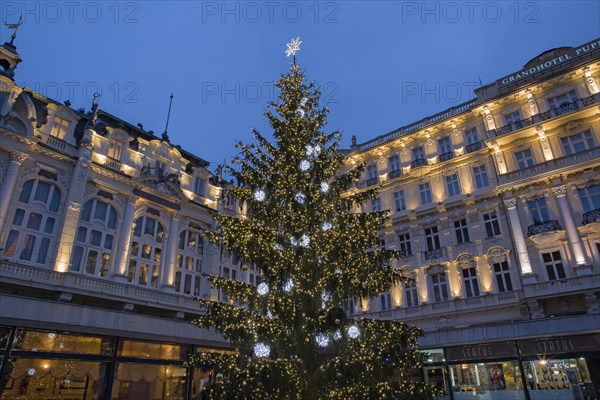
149	382
557	379
495	380
59	342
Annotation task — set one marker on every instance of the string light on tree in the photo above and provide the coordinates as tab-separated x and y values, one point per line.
324	187
322	340
353	332
259	195
300	198
304	241
304	165
262	350
262	289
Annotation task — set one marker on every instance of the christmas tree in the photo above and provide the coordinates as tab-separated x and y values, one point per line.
293	337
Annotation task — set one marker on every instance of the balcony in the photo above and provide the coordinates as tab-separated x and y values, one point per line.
591	217
419	162
562	286
446	156
474	147
587	156
395	174
433	254
113	164
543	227
371	182
556	112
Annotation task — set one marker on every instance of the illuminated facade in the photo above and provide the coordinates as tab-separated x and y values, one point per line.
495	207
101	253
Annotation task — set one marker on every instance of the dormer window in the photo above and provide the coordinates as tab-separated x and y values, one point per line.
115	149
199	186
59	127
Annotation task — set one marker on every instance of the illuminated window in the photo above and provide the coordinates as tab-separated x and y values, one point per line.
590	198
199	186
59	127
115	148
189	260
577	143
146	252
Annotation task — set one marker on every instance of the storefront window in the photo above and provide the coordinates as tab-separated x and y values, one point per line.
131	348
495	380
149	382
557	379
53	379
61	342
4	334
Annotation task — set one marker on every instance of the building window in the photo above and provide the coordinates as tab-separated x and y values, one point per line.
492	227
554	265
470	281
524	158
433	238
411	297
159	168
399	200
481	176
404	244
563	99
444	145
471	136
34	222
394	163
59	127
115	148
538	210
418	153
199	185
503	276
462	231
146	251
590	198
440	286
512	117
376	204
425	192
386	301
372	172
189	260
577	143
452	185
94	239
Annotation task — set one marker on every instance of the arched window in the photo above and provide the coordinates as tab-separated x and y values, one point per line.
469	275
146	251
411	295
94	238
189	261
34	223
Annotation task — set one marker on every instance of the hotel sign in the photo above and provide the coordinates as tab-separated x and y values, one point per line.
481	351
566	55
572	344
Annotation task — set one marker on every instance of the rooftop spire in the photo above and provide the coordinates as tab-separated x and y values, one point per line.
15	27
165	135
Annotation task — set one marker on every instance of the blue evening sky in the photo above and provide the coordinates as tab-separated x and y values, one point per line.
381	64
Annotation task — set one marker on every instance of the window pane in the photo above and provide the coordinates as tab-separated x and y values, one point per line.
26	192
43	250
34	222
62	342
108	242
55	200
76	258
28	244
130	348
95	237
11	243
112	218
90	265
49	228
18	218
100	212
42	191
87	210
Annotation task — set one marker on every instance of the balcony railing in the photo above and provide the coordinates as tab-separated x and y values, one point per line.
560	286
474	147
446	156
113	164
543	227
419	162
56	143
591	217
555	112
395	174
371	182
433	254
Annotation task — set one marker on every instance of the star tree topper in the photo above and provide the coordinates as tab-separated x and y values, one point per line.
293	47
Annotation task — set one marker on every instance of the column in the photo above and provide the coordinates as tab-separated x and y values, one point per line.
486	279
73	201
168	276
560	192
454	280
120	267
10	181
544	142
517	231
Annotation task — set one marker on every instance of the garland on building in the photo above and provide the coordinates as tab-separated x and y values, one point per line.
291	332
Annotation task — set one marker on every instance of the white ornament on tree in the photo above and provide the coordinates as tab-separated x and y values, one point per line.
262	350
293	47
324	187
337	335
293	241
259	195
262	289
322	340
303	101
300	198
304	165
304	241
301	113
326	226
353	331
289	285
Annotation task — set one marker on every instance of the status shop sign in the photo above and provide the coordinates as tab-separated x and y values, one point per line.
482	351
569	344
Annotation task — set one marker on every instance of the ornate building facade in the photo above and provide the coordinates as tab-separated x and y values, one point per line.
495	207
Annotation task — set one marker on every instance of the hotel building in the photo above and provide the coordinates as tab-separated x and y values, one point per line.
495	207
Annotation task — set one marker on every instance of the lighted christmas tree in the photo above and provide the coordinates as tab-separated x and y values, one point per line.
293	337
